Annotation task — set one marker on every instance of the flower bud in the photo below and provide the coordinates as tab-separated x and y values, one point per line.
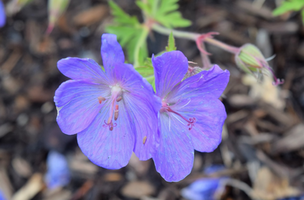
55	9
251	60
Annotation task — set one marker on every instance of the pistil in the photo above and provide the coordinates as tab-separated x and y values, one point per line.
166	108
116	97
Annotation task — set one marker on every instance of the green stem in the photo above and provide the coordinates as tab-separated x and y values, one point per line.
194	36
140	43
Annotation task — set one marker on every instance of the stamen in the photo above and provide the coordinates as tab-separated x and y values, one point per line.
116	112
119	99
101	99
113	112
144	140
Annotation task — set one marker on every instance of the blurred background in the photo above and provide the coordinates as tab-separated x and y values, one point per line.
262	152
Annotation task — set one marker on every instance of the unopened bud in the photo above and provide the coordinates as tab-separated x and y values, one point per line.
55	10
251	60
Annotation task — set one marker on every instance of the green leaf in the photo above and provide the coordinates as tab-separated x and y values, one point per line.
164	12
121	17
292	5
147	72
171	43
128	31
302	13
128	38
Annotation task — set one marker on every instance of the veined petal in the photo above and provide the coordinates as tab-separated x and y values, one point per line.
169	70
210	115
174	156
142	106
71	88
82	69
2	14
111	52
78	105
105	148
204	85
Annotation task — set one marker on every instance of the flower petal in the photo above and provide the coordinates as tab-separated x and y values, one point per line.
82	69
111	52
105	148
169	70
78	102
204	85
142	109
174	156
142	106
2	15
210	115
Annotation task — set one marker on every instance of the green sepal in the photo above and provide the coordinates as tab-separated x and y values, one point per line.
171	43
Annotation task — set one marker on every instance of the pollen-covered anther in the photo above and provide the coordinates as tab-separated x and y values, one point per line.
101	99
116	112
118	99
145	140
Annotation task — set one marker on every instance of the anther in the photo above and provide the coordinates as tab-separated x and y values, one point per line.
144	140
116	112
118	99
101	99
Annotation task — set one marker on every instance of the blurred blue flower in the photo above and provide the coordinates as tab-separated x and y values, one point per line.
293	198
58	173
205	188
2	15
2	197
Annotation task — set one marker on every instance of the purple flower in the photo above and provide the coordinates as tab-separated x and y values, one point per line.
58	173
191	116
205	188
2	15
112	110
2	197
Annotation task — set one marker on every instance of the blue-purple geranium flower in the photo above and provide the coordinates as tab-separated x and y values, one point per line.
58	173
113	111
2	15
191	116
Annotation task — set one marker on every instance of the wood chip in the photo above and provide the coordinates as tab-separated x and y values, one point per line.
138	189
293	140
30	189
255	10
5	184
269	186
91	15
22	167
240	100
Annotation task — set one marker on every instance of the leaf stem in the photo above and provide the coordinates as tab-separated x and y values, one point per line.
140	43
193	36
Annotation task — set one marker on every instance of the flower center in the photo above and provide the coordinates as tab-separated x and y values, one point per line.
116	96
166	108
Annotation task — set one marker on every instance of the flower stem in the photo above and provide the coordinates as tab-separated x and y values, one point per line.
140	43
194	36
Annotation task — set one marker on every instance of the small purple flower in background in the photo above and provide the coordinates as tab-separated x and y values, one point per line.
113	111
205	188
2	14
191	116
58	173
2	197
